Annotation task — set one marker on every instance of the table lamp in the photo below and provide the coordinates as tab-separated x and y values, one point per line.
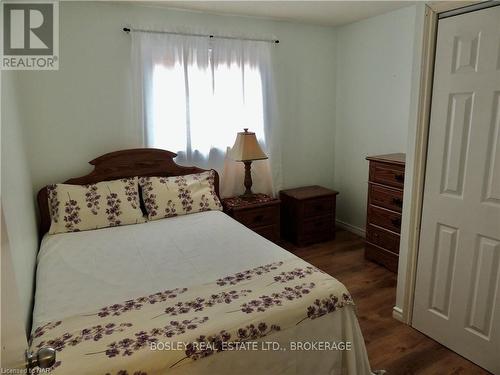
246	149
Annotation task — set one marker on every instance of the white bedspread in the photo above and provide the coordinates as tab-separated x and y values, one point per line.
79	272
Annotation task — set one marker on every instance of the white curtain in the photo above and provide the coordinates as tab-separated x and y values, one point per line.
196	93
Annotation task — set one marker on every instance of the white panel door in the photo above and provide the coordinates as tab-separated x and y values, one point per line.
457	296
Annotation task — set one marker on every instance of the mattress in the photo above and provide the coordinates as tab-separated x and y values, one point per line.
84	271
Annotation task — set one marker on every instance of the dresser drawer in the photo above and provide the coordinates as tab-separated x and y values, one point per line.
271	232
387	174
383	238
318	225
257	217
384	218
318	207
386	197
321	228
381	256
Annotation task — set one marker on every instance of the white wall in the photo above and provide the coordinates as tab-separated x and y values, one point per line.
17	196
84	109
374	66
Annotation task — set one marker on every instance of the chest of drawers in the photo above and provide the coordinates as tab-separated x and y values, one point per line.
385	204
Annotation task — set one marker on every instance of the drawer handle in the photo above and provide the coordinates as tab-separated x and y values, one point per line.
398	202
396	222
399	177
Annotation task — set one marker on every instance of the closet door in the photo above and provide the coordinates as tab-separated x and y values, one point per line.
457	296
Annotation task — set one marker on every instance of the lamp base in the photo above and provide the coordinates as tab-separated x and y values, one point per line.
248	179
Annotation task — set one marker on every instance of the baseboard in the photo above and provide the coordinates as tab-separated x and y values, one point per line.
351	228
397	313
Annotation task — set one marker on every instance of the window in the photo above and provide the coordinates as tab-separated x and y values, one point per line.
197	109
194	94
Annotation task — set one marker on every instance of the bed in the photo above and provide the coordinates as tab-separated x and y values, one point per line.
194	294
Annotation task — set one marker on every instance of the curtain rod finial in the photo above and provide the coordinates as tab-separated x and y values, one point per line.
126	29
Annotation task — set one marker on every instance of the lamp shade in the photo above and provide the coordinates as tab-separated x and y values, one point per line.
246	147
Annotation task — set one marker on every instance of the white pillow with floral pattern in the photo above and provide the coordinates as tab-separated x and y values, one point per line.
179	195
75	208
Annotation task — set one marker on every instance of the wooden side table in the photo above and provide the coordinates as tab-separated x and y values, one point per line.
308	214
261	214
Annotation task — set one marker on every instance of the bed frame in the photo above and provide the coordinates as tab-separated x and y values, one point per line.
123	164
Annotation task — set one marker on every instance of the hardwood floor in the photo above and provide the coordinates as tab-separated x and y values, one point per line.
391	345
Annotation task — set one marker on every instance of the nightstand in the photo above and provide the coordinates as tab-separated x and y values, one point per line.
308	214
261	214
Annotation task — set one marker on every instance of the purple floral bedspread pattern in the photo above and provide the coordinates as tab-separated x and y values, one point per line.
195	320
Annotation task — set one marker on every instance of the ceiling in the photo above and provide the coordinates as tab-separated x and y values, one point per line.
327	13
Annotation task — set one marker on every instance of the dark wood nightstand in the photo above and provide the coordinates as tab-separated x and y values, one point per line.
308	214
261	214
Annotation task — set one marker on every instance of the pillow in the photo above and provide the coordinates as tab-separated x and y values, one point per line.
75	208
180	195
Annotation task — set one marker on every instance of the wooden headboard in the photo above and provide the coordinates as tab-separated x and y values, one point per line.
123	164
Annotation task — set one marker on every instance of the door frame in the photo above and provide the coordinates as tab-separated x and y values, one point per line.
432	10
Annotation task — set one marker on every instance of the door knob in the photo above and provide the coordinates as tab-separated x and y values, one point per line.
43	358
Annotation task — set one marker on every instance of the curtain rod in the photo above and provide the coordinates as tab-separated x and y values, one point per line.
129	30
